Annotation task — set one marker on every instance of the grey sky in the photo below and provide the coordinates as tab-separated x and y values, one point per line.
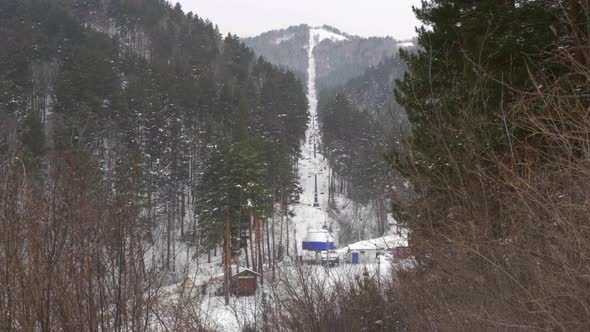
358	17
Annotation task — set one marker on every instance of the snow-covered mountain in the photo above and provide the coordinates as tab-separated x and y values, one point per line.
339	56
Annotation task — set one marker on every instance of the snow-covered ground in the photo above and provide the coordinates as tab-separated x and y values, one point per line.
382	243
322	34
283	39
405	44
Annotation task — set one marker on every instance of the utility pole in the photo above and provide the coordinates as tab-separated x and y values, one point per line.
327	250
316	203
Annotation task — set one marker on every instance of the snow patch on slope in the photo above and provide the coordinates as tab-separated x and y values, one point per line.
283	38
321	34
405	44
382	243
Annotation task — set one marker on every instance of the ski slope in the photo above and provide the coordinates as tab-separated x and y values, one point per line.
321	34
313	165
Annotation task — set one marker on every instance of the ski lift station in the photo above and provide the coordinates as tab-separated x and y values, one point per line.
318	240
318	247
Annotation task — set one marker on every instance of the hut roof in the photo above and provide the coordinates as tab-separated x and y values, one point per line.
382	243
363	245
247	270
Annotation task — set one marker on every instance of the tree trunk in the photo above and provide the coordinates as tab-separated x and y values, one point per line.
259	243
281	226
168	238
173	230
268	242
227	258
246	255
274	252
252	252
239	236
182	213
287	225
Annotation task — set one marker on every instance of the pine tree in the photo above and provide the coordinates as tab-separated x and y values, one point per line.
475	55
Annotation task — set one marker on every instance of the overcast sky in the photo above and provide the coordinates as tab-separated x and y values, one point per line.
248	18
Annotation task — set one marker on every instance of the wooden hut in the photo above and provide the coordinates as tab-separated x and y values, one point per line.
362	252
245	283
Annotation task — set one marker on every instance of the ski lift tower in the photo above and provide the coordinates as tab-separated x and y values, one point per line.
316	203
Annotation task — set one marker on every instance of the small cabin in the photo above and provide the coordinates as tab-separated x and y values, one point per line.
245	283
363	252
363	256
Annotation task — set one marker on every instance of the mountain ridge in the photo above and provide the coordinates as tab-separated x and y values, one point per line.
340	57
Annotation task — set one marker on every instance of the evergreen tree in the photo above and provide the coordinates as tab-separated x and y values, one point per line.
476	54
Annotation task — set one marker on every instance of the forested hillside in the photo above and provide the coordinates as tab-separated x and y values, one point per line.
361	121
338	62
126	126
371	92
285	47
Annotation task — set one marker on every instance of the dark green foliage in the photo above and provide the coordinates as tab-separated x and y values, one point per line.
372	93
497	101
353	141
235	180
241	177
360	121
477	55
339	62
150	93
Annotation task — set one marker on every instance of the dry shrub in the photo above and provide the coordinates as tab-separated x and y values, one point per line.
72	255
305	300
507	247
